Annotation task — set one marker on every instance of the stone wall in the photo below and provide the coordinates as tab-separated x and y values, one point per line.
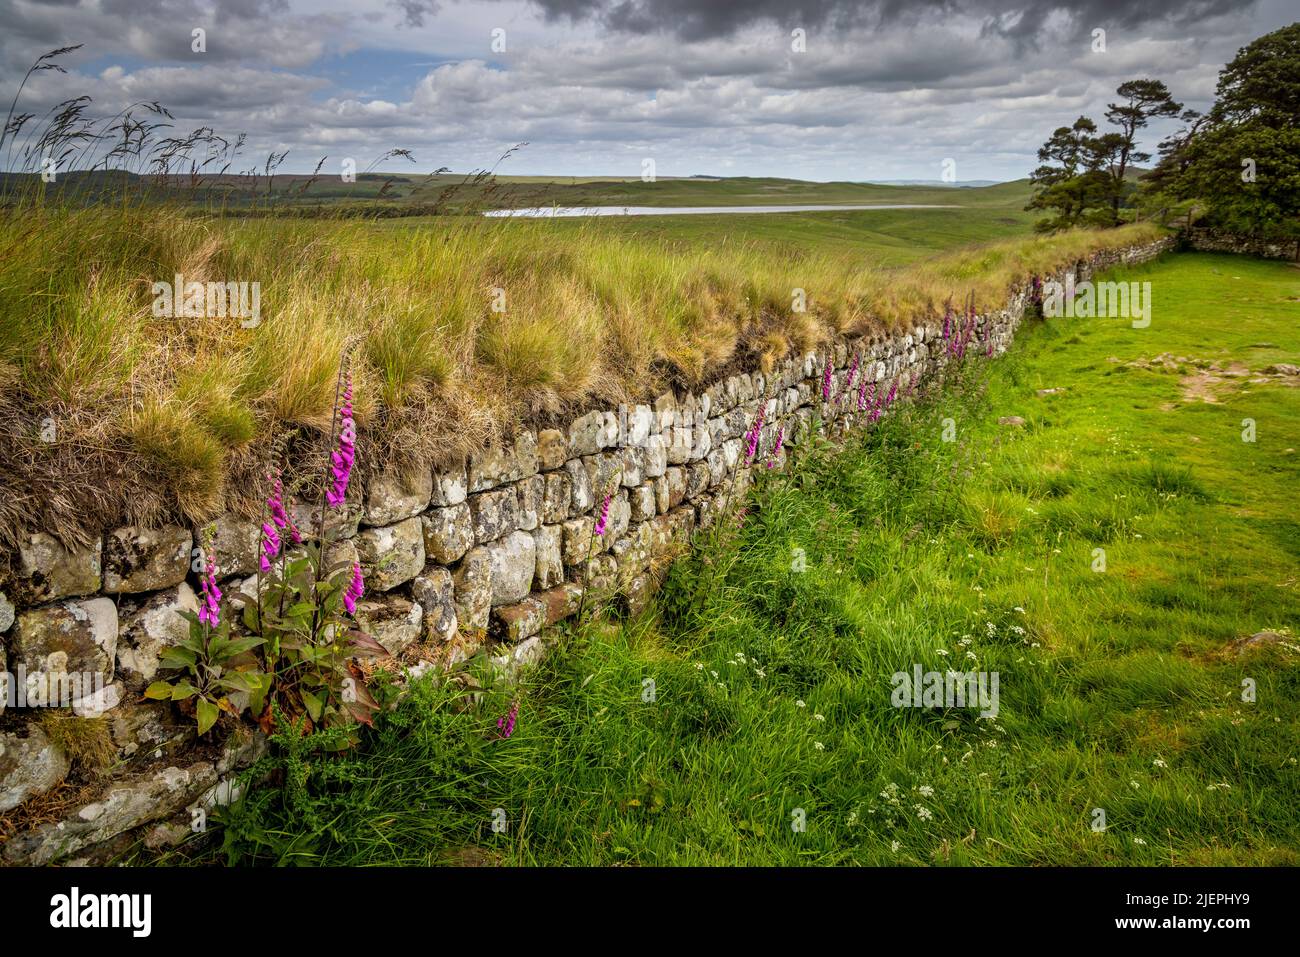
1217	241
483	557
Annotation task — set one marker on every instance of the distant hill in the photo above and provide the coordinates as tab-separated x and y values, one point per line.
933	182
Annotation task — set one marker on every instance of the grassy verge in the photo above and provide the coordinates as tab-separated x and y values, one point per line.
1119	689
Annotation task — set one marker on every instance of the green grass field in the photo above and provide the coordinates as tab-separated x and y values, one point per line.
1120	689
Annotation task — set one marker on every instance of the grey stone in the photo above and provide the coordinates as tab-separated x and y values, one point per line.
579	485
632	466
514	561
494	514
552	449
46	571
448	533
585	434
640	420
435	591
393	621
450	487
518	621
129	803
237	544
557	497
531	493
641	501
655	456
501	464
6	613
72	641
340	522
549	571
393	496
29	766
392	554
146	559
148	626
577	538
473	587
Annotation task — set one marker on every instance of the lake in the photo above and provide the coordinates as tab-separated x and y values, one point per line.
539	212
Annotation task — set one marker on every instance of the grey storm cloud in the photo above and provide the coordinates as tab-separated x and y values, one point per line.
694	19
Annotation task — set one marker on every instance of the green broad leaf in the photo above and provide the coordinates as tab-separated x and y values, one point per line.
313	704
206	714
158	691
250	618
182	690
240	645
177	656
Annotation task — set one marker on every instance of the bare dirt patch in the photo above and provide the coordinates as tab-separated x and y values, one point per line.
1208	380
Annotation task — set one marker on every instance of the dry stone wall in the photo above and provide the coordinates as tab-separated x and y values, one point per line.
484	556
1218	241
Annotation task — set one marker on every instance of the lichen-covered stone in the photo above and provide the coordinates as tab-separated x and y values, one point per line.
46	571
655	456
236	542
98	701
29	765
640	421
530	491
494	514
147	626
501	464
146	559
515	622
450	487
557	497
72	641
631	468
577	538
579	486
586	434
552	449
514	561
393	496
342	522
151	795
561	601
549	541
391	620
435	591
448	533
473	587
641	501
392	554
6	613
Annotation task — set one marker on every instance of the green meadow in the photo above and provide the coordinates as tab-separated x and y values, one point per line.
1104	558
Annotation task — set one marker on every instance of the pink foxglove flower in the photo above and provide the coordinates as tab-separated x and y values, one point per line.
893	393
356	588
853	371
342	458
210	594
275	503
826	380
754	434
776	449
506	725
862	393
270	545
603	522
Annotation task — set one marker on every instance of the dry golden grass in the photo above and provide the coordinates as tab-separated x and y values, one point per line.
161	417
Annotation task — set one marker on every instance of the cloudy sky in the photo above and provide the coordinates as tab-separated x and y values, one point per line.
812	89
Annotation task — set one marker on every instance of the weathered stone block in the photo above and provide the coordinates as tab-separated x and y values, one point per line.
552	449
472	579
450	486
514	561
46	571
557	497
148	626
494	514
531	493
655	457
70	641
237	544
435	592
391	620
448	533
146	559
514	623
641	501
579	485
577	538
501	464
394	496
392	554
29	766
549	541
